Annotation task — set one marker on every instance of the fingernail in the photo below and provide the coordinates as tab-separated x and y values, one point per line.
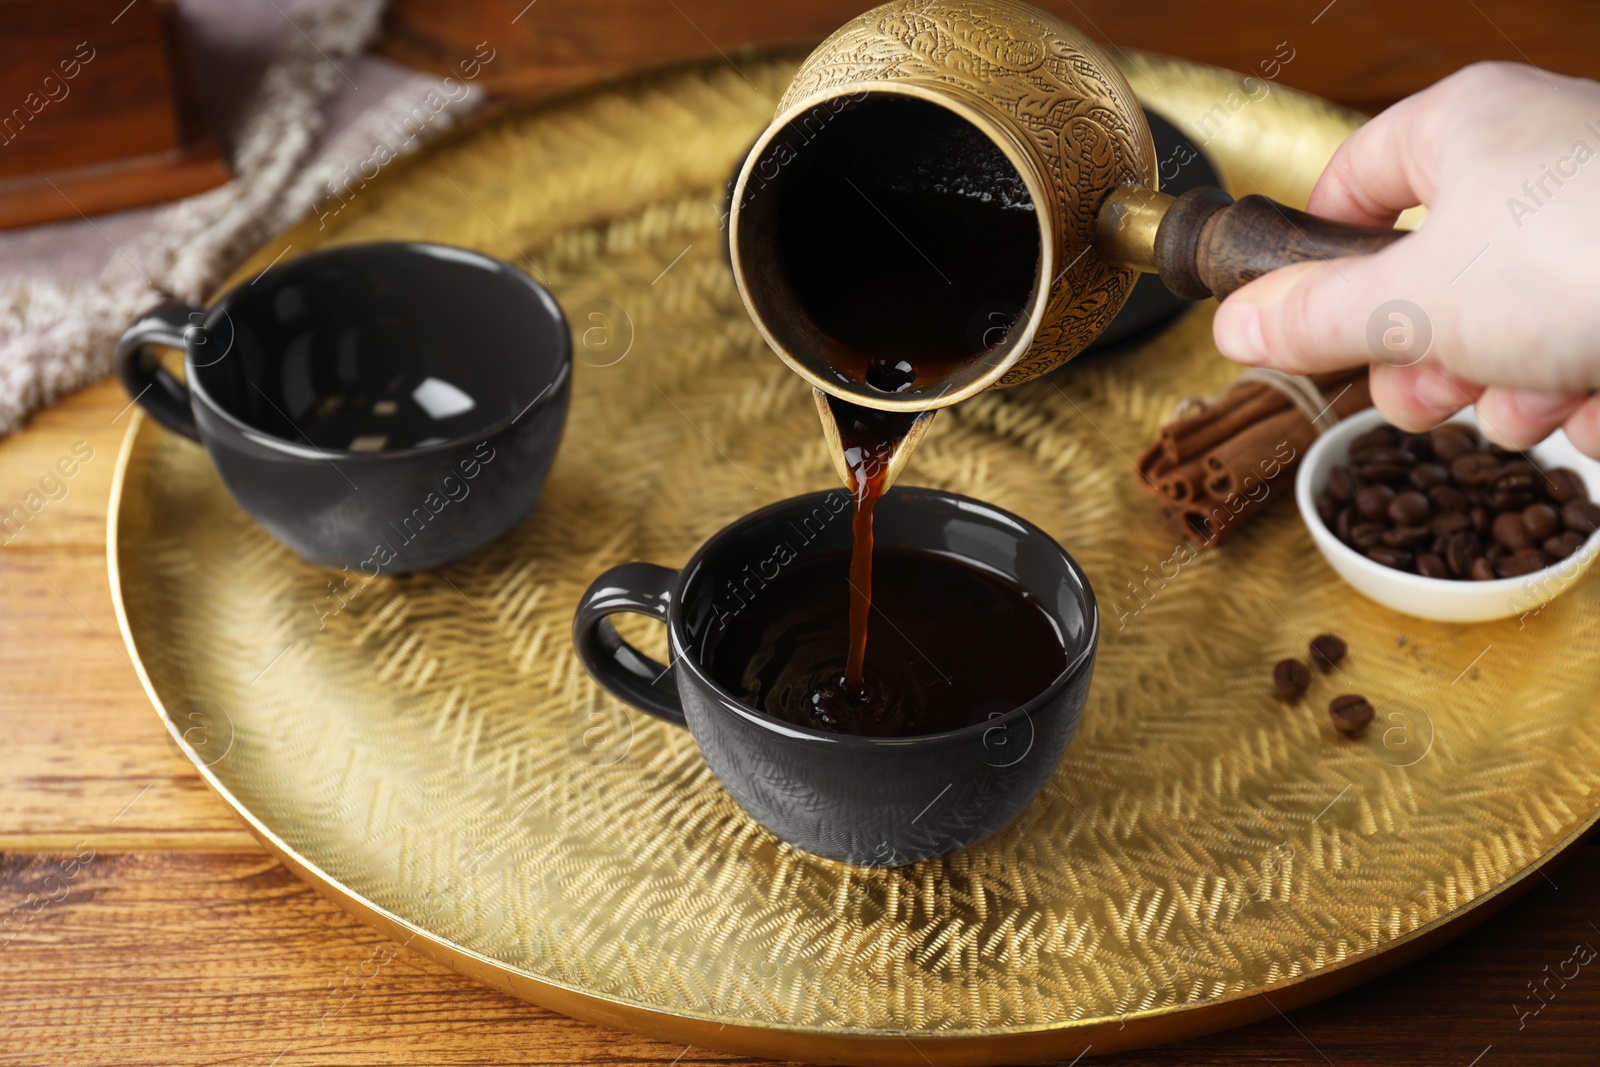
1439	391
1237	330
1537	405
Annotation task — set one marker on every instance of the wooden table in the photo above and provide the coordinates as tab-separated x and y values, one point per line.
139	922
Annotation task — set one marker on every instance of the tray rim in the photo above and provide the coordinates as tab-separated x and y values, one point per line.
1030	1042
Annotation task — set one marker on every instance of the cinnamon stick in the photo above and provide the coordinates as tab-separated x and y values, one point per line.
1243	405
1252	443
1259	451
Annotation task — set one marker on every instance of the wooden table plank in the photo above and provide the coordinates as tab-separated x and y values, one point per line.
78	738
190	958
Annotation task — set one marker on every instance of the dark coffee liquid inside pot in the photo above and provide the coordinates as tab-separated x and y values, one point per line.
911	242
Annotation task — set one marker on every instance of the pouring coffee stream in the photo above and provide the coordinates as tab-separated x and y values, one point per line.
957	195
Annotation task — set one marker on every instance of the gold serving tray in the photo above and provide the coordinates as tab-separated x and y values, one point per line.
428	752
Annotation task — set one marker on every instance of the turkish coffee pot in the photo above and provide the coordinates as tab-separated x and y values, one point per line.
958	195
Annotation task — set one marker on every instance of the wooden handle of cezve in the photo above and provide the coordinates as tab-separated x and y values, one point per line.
1209	244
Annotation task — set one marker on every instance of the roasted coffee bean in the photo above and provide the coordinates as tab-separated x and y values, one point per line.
1509	499
1581	516
1429	565
1407	536
1452	440
1397	457
1341	484
1509	530
1460	550
1562	485
1418	444
1381	436
1447	498
1448	504
1365	535
1382	471
1425	476
1523	561
1373	501
1518	474
1563	545
1409	508
1399	559
1327	509
1326	650
1475	468
1290	678
1541	521
1350	713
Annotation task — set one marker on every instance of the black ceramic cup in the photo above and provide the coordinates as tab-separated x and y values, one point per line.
378	407
875	802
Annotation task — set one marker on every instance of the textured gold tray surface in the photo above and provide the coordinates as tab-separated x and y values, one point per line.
431	746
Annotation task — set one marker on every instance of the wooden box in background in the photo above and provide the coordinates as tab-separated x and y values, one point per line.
97	111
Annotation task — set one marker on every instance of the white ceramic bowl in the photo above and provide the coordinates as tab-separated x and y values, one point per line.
1443	599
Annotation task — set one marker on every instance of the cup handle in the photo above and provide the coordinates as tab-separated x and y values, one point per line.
150	384
624	671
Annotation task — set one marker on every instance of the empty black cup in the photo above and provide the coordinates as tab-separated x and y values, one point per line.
872	801
380	407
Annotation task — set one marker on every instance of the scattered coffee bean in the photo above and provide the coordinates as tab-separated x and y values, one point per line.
1581	516
1429	565
1326	650
1541	521
1350	713
1482	570
1291	678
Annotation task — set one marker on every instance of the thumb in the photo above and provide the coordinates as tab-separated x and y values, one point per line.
1326	315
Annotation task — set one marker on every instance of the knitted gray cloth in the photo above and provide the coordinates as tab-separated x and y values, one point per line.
67	290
